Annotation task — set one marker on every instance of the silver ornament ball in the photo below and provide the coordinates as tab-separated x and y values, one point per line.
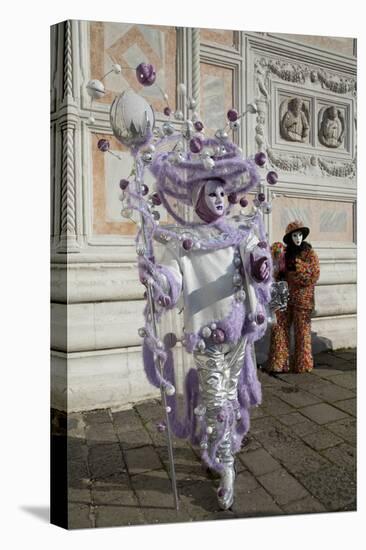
206	332
235	125
168	129
178	115
126	212
208	163
116	68
221	134
170	390
95	89
201	345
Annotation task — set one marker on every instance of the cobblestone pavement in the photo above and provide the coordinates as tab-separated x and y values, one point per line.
299	456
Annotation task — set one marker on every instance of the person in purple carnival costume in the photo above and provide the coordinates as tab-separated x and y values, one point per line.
221	269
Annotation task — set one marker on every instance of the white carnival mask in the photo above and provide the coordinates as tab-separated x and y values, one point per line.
297	237
214	197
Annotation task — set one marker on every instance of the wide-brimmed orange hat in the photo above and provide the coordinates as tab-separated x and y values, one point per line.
296	225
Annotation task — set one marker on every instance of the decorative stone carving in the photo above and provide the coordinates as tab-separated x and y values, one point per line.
68	241
68	62
295	122
289	163
311	165
337	84
338	169
196	69
292	72
294	118
289	71
260	76
332	127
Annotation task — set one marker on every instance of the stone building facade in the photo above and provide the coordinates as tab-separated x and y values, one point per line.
305	90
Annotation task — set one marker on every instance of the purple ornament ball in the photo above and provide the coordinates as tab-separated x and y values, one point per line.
232	115
144	189
261	197
272	177
218	336
156	200
221	492
198	126
232	198
262	244
195	145
103	145
170	340
260	159
123	184
243	202
260	319
145	73
187	244
167	111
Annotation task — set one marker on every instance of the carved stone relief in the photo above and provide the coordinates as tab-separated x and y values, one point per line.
294	120
331	127
295	115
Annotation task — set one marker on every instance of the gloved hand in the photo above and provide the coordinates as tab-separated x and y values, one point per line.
259	268
149	274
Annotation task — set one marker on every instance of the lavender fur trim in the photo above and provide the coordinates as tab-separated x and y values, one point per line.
178	180
191	341
174	287
232	325
151	371
185	427
188	173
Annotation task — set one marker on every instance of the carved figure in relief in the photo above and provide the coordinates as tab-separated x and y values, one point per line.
332	127
295	123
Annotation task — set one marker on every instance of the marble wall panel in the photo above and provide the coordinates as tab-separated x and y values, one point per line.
108	170
128	45
335	44
218	36
328	220
217	93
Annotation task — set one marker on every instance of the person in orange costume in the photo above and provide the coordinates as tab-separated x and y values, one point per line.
299	266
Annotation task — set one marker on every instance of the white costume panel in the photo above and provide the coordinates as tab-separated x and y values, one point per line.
208	289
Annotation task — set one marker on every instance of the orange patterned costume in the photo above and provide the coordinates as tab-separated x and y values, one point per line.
301	271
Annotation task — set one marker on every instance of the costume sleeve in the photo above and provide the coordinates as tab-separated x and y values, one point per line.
307	270
170	274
